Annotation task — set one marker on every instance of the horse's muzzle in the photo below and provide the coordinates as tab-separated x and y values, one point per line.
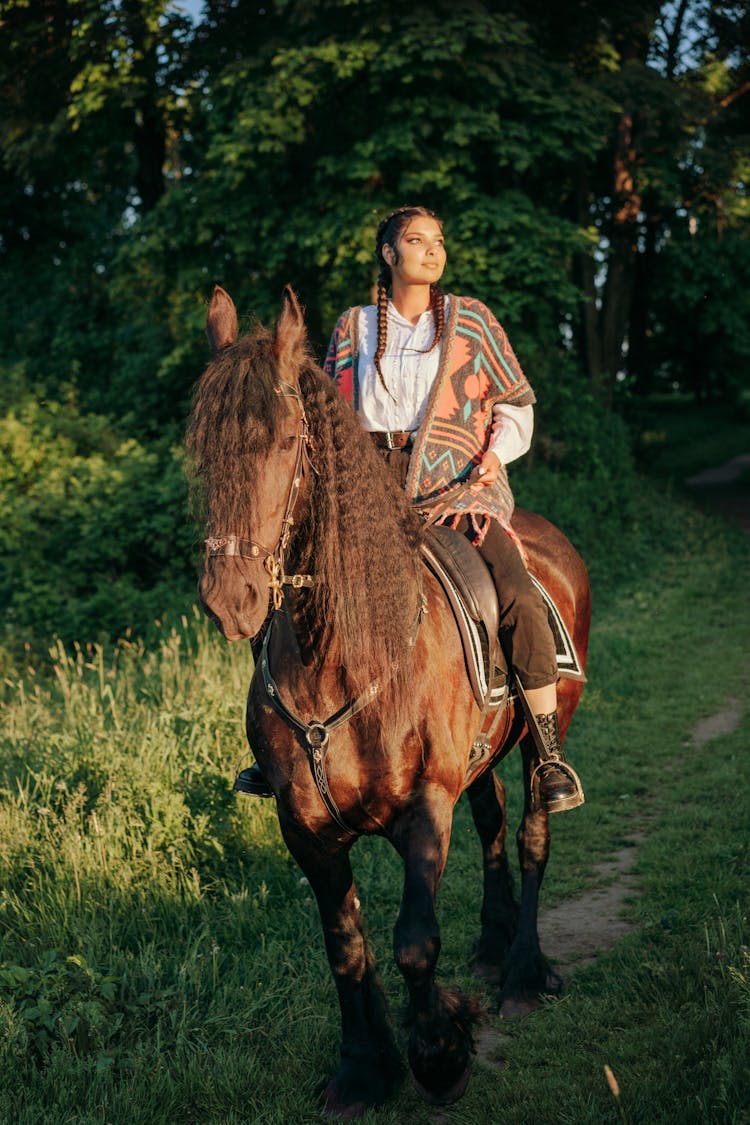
236	607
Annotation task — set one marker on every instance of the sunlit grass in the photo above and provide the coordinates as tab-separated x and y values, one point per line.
160	957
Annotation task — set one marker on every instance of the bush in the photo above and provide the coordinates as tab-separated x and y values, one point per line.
580	473
95	535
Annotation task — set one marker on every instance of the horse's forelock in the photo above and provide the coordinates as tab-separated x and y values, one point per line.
235	420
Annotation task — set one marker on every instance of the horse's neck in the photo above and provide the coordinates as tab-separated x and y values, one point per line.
294	633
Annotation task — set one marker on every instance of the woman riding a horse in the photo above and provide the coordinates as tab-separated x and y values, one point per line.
427	409
360	712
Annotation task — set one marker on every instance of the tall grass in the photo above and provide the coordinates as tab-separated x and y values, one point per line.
160	956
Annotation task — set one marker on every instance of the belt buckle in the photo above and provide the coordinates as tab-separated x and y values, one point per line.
389	440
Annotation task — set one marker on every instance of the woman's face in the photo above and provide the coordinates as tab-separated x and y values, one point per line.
419	255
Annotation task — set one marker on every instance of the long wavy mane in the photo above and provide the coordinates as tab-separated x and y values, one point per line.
358	534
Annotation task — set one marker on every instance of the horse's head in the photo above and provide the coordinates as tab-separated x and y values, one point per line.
248	438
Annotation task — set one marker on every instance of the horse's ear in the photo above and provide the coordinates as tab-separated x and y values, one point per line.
221	322
291	337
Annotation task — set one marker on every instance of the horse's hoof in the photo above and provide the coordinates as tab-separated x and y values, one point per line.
491	974
444	1097
334	1107
513	1008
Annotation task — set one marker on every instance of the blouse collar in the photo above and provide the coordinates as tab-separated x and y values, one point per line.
397	317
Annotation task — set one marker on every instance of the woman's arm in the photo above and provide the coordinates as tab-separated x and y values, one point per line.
512	430
512	427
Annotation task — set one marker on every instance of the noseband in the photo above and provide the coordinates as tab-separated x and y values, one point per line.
273	557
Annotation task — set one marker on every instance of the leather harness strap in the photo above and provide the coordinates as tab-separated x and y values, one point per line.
392	439
315	734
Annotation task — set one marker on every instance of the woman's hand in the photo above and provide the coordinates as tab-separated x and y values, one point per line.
486	473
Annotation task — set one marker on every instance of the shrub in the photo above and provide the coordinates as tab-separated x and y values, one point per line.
95	535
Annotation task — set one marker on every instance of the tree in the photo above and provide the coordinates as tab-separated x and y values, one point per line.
89	95
676	152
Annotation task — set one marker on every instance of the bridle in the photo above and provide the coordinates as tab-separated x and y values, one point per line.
230	545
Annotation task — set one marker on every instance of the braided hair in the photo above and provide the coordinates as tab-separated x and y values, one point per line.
389	231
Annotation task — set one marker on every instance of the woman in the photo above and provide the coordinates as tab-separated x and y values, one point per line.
424	371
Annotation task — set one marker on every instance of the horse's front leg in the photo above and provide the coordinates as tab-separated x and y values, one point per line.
499	909
440	1042
528	974
370	1066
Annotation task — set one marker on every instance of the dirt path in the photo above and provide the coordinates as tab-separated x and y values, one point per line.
582	927
725	490
578	930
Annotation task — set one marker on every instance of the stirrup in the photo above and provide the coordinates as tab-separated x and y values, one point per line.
252	781
572	800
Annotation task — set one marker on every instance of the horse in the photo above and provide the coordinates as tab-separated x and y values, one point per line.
313	553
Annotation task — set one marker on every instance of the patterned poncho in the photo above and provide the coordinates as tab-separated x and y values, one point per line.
477	369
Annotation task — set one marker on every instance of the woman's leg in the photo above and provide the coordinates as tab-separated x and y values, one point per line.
530	649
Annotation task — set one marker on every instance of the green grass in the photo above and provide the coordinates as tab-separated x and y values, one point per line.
160	957
677	437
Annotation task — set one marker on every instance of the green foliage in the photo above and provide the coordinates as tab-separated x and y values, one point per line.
702	307
95	531
677	439
476	160
143	158
59	1001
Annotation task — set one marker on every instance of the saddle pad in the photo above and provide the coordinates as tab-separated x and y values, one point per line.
469	596
568	664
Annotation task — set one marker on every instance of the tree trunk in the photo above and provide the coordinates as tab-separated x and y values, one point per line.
587	274
150	148
149	131
623	248
639	360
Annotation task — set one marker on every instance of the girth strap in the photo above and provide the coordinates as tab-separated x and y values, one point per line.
315	735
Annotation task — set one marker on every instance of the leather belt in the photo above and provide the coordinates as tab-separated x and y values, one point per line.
392	439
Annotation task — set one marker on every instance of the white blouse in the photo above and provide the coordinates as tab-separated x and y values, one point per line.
409	370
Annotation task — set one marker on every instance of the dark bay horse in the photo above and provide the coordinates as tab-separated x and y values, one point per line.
314	552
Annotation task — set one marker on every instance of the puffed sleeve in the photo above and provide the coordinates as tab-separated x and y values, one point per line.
512	430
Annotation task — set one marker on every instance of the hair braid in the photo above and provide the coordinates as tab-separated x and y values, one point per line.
384	278
438	314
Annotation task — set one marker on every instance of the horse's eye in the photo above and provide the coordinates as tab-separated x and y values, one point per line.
288	443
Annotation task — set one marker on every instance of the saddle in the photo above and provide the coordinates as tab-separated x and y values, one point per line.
469	588
466	581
